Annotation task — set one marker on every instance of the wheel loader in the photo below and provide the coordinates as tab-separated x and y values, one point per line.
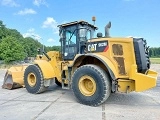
92	67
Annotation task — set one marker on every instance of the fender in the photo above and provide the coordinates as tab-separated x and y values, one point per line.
109	65
46	68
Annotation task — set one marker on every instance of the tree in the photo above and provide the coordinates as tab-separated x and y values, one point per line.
31	46
154	52
3	30
11	49
53	48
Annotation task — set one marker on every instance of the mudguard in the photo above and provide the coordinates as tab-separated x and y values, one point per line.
46	68
109	65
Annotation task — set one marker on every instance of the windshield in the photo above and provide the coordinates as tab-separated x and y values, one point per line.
84	34
70	38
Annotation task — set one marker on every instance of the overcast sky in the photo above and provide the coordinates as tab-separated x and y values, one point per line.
39	18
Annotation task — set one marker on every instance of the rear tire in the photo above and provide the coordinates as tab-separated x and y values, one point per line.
91	85
33	80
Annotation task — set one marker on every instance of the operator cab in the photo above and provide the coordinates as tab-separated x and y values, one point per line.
73	38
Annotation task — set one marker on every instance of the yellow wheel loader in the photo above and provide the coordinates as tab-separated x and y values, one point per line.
91	67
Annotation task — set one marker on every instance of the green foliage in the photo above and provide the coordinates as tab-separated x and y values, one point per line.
3	30
31	46
11	49
154	52
14	47
53	48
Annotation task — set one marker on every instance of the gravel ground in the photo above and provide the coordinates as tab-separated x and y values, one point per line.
58	104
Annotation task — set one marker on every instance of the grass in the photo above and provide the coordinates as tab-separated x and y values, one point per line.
5	66
155	60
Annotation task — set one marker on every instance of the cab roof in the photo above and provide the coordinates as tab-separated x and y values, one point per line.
82	22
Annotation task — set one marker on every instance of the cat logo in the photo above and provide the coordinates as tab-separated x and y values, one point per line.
92	47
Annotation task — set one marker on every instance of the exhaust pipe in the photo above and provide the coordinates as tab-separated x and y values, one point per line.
107	27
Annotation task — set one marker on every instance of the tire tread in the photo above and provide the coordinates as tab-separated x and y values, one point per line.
39	89
106	82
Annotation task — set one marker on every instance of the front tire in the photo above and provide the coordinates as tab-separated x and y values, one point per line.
33	79
91	85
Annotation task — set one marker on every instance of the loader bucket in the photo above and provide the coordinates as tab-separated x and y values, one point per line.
14	77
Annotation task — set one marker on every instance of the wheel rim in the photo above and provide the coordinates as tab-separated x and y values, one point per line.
87	85
31	79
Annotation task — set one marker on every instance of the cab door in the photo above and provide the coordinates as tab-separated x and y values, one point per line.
70	45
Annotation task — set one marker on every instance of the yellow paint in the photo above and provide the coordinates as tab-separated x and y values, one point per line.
56	64
17	73
31	78
131	80
128	53
108	62
87	85
143	81
52	68
46	68
126	86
